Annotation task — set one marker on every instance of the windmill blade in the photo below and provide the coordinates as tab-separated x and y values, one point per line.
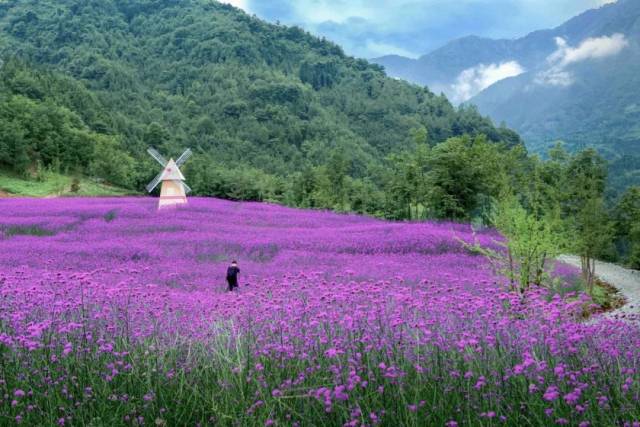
185	156
153	184
187	189
154	153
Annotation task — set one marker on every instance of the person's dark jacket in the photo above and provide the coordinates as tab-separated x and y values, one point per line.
232	275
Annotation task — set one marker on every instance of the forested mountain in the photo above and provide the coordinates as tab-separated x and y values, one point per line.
87	85
579	83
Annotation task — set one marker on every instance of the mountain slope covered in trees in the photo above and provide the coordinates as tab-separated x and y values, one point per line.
87	86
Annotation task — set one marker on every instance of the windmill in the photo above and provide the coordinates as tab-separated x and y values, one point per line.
174	190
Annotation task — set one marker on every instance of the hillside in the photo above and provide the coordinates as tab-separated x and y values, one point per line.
582	89
50	184
264	106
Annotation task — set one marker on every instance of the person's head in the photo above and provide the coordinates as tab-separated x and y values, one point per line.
234	262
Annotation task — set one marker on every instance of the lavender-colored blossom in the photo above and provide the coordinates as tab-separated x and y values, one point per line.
319	290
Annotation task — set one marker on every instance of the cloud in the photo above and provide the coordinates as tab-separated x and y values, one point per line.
591	48
565	55
554	77
473	80
240	4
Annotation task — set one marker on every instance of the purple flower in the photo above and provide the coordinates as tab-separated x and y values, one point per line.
551	394
303	315
331	353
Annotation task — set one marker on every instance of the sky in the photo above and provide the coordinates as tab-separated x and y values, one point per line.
372	28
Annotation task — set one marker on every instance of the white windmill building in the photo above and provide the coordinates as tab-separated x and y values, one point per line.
174	190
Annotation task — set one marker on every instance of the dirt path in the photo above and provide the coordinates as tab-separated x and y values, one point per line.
625	280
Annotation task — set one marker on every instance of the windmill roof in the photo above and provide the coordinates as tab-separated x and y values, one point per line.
172	172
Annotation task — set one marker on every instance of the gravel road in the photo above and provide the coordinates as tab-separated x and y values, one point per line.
625	280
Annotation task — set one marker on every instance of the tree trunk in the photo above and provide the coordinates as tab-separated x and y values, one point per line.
588	265
584	262
511	272
592	276
540	270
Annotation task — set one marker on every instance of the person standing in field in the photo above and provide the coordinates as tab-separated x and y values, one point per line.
232	275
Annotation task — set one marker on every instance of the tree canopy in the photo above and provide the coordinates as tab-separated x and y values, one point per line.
263	106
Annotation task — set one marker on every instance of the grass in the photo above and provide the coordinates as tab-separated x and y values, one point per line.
111	215
217	383
54	184
606	296
27	230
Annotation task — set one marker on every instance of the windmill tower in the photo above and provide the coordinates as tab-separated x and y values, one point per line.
173	191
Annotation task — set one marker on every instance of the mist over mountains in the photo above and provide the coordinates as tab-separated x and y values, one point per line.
577	83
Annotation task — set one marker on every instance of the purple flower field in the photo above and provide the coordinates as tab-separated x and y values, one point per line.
112	313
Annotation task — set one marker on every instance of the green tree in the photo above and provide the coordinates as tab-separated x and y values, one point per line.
111	163
400	187
464	175
593	232
627	222
337	170
531	241
584	209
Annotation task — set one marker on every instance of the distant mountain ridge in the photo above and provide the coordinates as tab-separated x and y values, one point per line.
588	97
